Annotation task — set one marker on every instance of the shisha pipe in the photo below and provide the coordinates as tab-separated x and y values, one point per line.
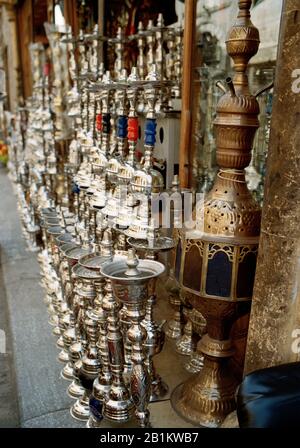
147	180
152	246
130	281
103	88
117	158
127	169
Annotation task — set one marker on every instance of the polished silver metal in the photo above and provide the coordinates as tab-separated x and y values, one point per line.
130	279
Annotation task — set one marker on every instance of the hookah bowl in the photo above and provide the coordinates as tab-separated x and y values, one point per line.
94	261
130	281
64	238
74	254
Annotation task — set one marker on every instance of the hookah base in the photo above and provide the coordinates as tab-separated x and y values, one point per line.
118	411
93	423
47	299
159	390
53	320
67	372
185	347
195	363
80	409
96	412
63	356
203	403
60	343
173	329
33	248
75	390
56	331
50	307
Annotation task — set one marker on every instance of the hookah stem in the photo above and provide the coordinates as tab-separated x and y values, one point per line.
140	378
76	60
94	119
150	139
98	56
43	103
122	125
149	313
98	118
133	133
140	44
104	376
106	128
115	343
103	344
105	122
95	102
99	124
87	108
149	319
81	89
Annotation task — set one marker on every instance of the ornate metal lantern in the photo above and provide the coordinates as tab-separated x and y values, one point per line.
218	257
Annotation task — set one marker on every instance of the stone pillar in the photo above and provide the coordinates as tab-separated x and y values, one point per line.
10	43
275	314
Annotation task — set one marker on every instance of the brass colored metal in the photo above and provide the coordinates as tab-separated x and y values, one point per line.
186	344
219	256
195	363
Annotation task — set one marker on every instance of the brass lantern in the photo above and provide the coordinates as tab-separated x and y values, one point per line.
218	257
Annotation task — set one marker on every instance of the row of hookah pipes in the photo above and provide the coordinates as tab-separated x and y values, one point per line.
99	295
99	173
33	167
155	43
